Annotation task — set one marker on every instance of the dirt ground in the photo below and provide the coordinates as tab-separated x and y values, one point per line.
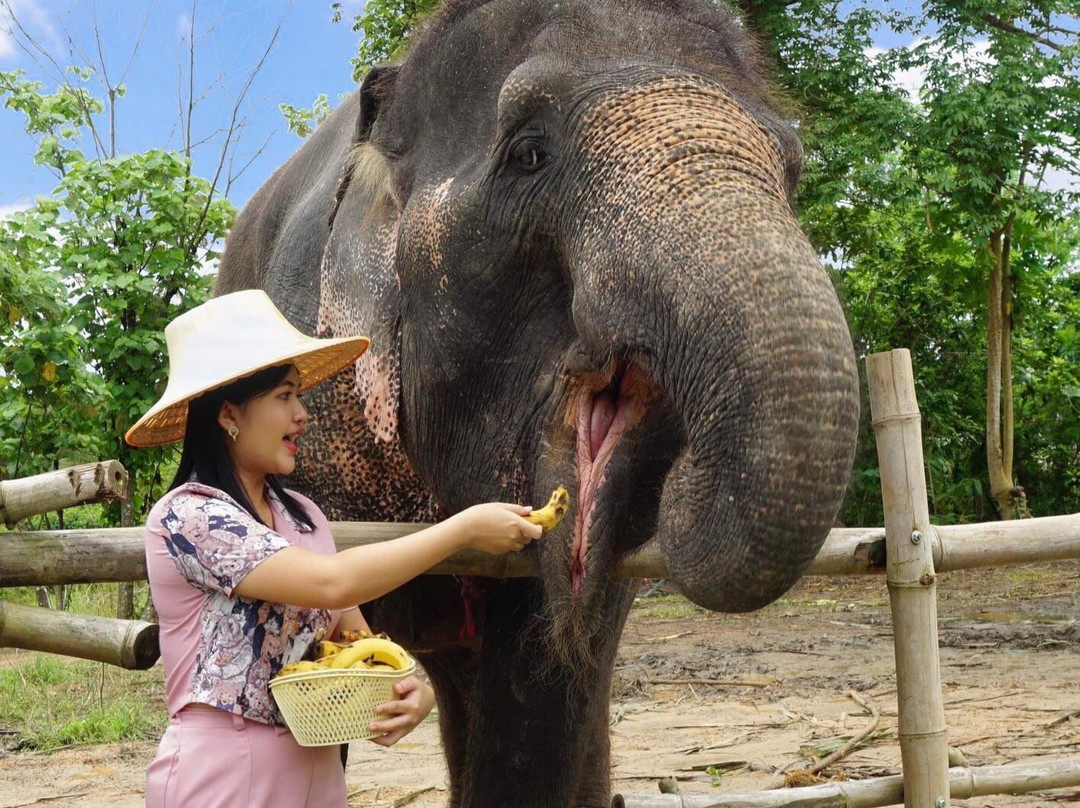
723	703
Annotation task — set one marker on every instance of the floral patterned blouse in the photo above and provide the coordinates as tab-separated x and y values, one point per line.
219	648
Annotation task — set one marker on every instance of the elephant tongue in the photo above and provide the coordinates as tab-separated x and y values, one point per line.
603	414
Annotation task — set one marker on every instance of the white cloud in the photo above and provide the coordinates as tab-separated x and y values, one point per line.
31	15
15	207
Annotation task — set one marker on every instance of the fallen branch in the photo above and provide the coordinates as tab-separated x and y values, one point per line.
784	779
1063	719
846	749
740	681
400	802
50	798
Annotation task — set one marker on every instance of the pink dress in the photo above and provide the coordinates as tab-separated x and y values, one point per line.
220	649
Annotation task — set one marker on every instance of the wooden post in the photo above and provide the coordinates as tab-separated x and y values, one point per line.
56	490
131	644
909	571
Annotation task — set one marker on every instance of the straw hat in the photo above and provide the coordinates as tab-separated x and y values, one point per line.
228	338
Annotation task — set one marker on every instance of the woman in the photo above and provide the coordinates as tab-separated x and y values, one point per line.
244	573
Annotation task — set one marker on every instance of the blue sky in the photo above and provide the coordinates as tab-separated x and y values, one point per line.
311	56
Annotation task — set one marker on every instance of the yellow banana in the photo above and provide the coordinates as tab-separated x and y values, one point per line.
303	666
551	514
351	635
326	649
369	650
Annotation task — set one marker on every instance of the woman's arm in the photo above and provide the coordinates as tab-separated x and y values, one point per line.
351	620
360	574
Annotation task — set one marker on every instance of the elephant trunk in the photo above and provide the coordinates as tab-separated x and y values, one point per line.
717	293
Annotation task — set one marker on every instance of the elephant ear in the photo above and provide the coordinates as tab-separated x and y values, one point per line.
358	279
363	462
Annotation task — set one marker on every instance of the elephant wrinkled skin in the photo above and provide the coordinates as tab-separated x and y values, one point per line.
566	227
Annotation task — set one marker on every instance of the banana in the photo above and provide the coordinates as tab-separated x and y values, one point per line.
370	650
326	649
551	514
349	635
303	666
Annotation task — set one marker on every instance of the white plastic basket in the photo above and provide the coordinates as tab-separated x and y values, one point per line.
335	705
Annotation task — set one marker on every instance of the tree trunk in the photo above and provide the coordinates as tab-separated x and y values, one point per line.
999	409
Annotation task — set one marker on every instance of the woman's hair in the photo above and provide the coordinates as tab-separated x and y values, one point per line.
205	457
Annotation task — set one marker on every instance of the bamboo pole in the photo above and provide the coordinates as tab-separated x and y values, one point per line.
911	579
131	644
56	490
1011	778
31	558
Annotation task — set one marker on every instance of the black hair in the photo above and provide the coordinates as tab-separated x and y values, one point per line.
205	457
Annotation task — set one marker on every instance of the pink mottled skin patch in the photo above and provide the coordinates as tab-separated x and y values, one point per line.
430	224
379	389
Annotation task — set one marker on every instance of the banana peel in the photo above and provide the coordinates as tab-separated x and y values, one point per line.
553	512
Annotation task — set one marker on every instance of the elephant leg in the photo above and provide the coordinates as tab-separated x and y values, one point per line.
452	672
594	780
540	729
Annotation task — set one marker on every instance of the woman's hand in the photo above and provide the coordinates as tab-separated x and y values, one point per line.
415	700
497	527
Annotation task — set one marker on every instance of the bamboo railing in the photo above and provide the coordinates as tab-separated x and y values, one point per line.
102	555
1011	778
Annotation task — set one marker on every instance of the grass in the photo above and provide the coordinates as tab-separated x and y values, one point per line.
50	701
53	702
667	607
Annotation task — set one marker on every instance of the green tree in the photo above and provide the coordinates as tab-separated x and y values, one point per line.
936	212
95	272
384	26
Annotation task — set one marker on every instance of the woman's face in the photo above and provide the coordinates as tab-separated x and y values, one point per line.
269	427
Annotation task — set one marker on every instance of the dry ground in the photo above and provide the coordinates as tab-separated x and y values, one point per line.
721	703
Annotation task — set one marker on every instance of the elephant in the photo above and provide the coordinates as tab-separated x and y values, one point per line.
568	229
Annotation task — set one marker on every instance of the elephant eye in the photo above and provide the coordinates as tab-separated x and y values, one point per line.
529	154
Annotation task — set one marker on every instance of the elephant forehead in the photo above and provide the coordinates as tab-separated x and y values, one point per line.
668	122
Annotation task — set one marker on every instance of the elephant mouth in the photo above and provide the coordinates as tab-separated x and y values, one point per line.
609	405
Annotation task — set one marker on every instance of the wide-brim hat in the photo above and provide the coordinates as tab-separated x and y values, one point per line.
225	339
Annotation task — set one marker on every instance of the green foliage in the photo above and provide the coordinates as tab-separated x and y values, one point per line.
385	26
302	122
55	702
91	275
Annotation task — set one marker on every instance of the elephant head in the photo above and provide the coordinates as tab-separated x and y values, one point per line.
567	229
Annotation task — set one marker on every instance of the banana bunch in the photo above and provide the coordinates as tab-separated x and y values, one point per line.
366	651
551	514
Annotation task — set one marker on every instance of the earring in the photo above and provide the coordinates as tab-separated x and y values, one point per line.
233	432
